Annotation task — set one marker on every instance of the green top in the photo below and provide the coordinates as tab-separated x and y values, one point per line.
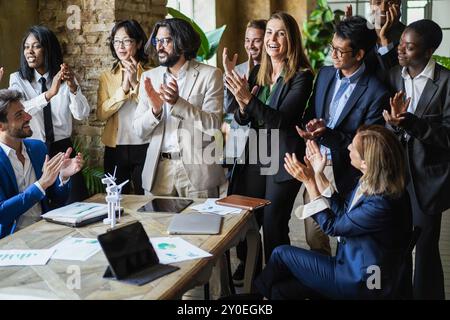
265	94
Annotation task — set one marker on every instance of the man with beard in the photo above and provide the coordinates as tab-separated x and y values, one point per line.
180	113
28	177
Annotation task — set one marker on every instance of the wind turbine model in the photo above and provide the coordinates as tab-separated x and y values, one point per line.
113	192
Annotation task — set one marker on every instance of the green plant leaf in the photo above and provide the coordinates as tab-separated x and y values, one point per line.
204	44
328	16
322	3
214	37
444	61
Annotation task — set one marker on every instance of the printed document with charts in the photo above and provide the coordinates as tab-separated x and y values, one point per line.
77	213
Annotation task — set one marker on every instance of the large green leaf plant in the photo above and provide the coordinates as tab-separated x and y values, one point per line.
318	32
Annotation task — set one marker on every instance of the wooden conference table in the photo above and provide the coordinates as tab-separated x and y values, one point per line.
55	280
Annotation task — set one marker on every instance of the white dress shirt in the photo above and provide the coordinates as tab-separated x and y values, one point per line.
25	176
414	87
170	140
64	105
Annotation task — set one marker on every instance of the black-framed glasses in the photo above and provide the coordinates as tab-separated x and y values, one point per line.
338	51
163	41
125	42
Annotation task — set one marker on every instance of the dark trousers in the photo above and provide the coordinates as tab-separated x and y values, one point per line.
294	274
428	273
78	191
129	160
275	217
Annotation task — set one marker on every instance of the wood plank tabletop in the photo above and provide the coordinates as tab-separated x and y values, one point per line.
56	279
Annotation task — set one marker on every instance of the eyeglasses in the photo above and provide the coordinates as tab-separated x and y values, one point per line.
338	51
163	41
125	42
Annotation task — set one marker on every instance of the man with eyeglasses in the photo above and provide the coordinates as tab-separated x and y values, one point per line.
345	96
180	113
385	16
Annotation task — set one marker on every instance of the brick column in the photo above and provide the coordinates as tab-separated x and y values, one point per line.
86	50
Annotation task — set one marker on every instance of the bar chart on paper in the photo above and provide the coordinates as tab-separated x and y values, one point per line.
25	257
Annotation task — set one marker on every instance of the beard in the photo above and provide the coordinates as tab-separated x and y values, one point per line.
20	133
170	60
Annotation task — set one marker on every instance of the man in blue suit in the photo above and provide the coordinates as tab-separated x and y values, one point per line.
28	177
345	96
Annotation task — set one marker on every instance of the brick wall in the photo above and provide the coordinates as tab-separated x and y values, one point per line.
86	49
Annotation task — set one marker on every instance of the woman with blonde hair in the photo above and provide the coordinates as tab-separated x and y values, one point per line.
272	101
373	226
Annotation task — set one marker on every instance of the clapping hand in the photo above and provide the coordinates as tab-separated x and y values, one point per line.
154	97
69	76
348	11
130	75
51	169
71	166
169	92
314	129
228	64
239	88
302	172
315	157
399	107
392	15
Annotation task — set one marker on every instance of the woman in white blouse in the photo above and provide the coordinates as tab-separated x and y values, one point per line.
373	227
52	95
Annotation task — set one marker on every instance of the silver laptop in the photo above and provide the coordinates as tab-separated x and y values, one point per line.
195	223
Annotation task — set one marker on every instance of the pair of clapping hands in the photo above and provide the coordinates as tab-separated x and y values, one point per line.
167	93
60	165
65	73
314	160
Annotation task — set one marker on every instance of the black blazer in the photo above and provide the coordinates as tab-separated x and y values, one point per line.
285	111
427	141
365	106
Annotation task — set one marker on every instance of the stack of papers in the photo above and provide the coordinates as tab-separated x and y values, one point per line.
210	206
172	250
79	249
25	257
76	212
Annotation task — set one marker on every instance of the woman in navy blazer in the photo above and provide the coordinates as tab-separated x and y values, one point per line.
373	226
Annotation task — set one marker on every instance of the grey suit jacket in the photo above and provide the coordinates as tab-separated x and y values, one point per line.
428	141
199	115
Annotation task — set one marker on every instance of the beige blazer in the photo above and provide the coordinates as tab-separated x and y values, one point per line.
199	114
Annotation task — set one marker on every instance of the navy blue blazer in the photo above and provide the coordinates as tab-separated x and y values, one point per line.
365	106
375	232
12	203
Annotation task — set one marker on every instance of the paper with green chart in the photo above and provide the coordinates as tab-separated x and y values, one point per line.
176	249
78	249
25	257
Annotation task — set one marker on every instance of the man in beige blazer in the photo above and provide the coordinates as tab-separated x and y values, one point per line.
180	112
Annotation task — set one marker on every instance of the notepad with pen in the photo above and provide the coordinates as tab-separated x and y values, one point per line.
243	202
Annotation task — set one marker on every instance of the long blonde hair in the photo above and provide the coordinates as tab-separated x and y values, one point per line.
296	58
385	160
